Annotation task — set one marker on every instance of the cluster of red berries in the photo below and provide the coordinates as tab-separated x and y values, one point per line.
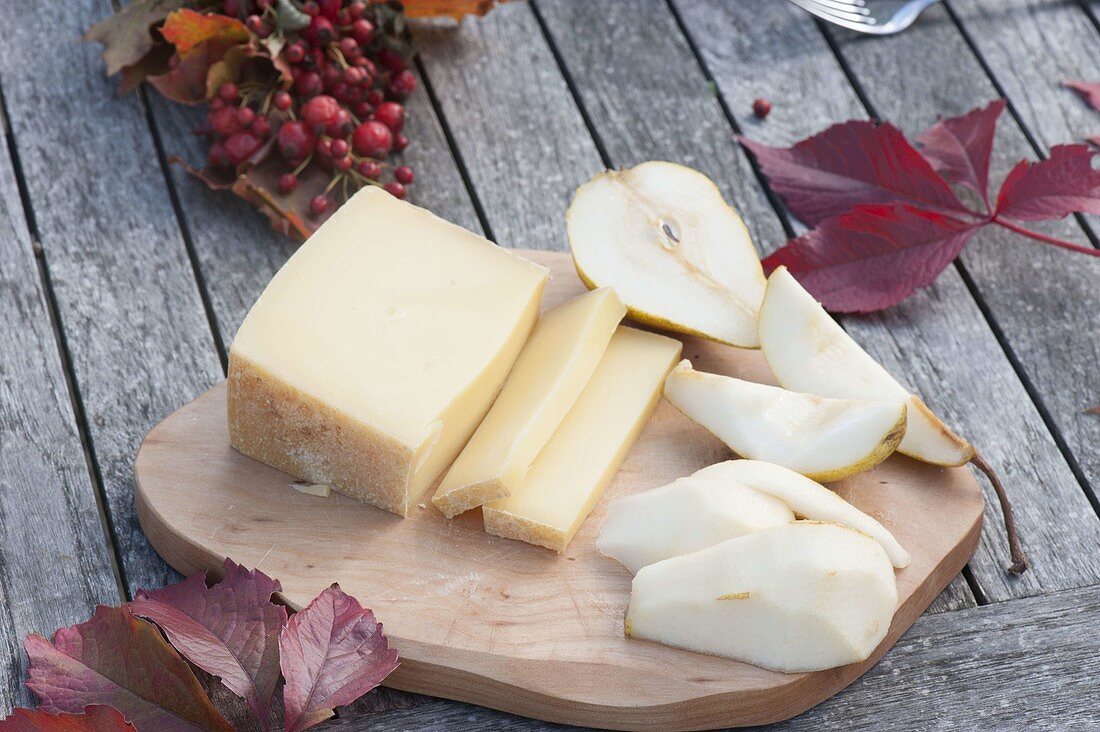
343	110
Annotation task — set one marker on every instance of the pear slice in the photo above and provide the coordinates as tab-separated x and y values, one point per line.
677	255
808	351
689	514
808	500
825	439
803	596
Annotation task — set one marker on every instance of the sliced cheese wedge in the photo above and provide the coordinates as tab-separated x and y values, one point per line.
553	368
376	350
572	471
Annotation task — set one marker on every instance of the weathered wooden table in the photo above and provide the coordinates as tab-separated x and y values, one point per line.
122	280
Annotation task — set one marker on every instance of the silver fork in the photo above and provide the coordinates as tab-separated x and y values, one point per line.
878	17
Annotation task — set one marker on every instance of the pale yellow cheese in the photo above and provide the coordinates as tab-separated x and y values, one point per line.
558	360
377	349
572	471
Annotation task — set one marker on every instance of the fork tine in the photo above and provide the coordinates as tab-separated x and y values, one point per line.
854	21
851	6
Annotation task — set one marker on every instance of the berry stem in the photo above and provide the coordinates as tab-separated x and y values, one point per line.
302	166
1047	239
1016	550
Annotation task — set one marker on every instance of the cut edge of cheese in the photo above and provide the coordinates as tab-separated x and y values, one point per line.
287	411
552	369
580	460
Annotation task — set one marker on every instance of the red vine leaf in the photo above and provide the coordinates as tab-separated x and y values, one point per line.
874	256
1064	183
127	35
230	630
1089	91
852	164
94	718
118	660
185	29
959	148
202	42
332	653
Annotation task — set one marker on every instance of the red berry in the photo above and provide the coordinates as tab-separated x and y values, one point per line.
296	142
218	156
761	107
395	189
367	65
255	24
362	31
232	8
354	75
311	8
321	31
246	116
261	126
317	112
349	47
342	164
240	145
402	85
340	91
356	9
403	174
364	110
330	8
318	205
217	103
224	121
392	60
331	76
264	4
400	142
369	169
341	124
339	148
308	84
391	114
228	91
344	18
324	147
295	54
282	101
375	97
372	139
287	183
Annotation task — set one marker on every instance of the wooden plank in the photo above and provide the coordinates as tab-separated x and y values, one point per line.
1027	664
517	129
237	250
55	556
1048	322
136	330
938	341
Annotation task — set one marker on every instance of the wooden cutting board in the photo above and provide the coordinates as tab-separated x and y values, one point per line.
511	626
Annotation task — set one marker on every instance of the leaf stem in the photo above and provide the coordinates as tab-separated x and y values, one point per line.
1015	549
1047	239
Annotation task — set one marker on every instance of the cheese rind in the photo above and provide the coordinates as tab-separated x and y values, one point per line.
579	461
377	349
554	366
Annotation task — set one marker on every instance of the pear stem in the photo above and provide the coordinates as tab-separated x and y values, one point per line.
1019	559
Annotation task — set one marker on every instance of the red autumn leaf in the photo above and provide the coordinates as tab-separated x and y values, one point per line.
1089	91
874	256
94	718
230	630
185	29
1062	184
332	653
959	148
118	660
852	164
448	8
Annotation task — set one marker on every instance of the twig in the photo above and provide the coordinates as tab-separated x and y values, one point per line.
1016	550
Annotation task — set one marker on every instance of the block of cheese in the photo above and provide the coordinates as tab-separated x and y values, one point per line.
377	349
571	472
552	369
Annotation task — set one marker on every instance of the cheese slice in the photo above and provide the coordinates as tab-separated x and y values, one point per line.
377	349
557	362
571	472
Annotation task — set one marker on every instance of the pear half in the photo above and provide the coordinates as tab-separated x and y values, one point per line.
687	515
808	351
825	439
677	255
808	499
803	596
